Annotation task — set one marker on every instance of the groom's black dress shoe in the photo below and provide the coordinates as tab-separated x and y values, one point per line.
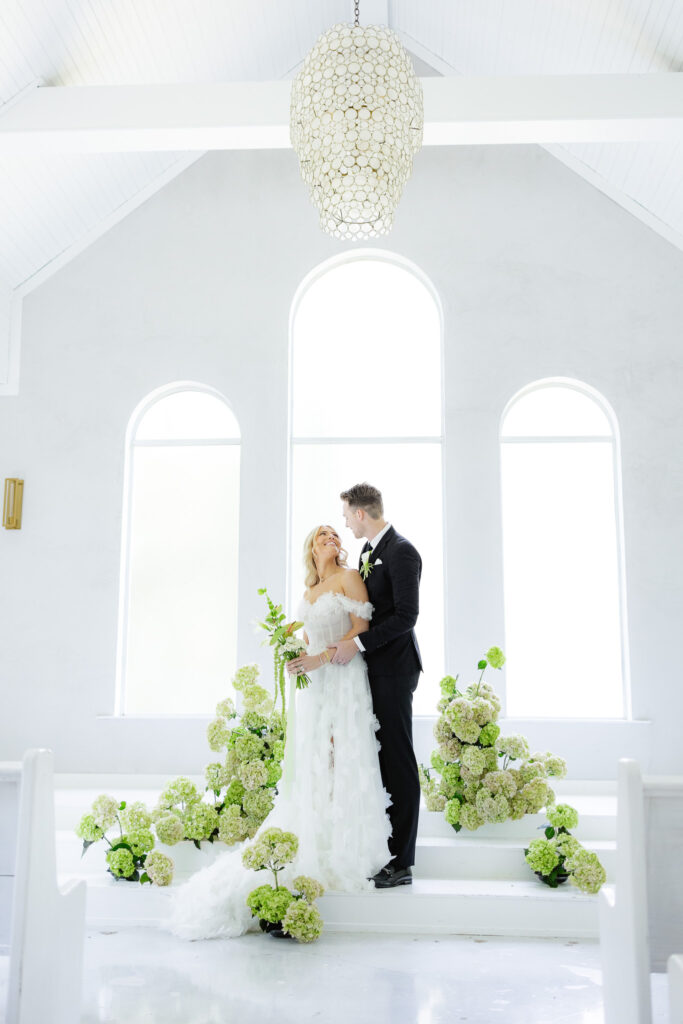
390	876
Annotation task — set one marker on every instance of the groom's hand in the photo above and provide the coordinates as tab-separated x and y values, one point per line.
343	652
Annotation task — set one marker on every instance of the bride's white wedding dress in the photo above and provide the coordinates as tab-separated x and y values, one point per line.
330	794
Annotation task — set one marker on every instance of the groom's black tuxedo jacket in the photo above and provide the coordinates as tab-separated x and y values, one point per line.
393	588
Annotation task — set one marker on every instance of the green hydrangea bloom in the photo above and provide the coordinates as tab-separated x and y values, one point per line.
442	730
448	686
255	698
216	776
254	722
531	770
105	811
495	657
170	829
135	817
226	708
489	734
180	792
309	888
253	774
159	867
278	750
563	816
201	821
500	782
303	921
232	825
235	792
467	732
249	747
258	803
484	690
537	794
494	809
450	750
542	856
452	812
140	840
474	760
274	770
273	849
217	734
483	711
586	871
245	676
435	801
268	903
437	761
516	747
121	863
88	829
517	807
470	818
567	844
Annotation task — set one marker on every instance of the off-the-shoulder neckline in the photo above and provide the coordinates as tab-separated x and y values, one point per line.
333	593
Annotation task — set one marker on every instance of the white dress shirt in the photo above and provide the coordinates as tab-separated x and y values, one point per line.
373	544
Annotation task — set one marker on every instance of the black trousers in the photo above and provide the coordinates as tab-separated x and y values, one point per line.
392	698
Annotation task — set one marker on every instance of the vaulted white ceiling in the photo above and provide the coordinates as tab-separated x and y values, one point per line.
51	206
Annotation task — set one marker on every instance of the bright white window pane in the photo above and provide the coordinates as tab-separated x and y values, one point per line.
556	411
187	415
563	638
320	472
367	355
182	607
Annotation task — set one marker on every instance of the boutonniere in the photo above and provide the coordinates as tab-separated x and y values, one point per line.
366	565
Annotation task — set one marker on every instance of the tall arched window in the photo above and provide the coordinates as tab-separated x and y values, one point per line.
366	405
178	619
564	608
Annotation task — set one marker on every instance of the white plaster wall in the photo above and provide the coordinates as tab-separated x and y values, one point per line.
539	275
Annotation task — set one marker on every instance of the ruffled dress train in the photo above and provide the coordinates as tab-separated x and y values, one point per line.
331	793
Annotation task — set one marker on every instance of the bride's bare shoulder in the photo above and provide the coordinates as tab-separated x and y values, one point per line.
353	586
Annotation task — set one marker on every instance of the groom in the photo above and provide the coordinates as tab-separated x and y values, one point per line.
391	568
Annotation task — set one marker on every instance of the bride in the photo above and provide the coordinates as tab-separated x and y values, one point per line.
331	793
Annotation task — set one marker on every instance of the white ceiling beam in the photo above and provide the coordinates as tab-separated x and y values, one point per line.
255	115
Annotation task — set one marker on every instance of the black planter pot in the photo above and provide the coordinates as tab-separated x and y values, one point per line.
553	880
274	928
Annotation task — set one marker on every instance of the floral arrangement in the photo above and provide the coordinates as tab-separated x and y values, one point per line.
281	637
478	776
560	856
131	855
283	912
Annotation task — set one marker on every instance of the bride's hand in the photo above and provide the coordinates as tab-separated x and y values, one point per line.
305	663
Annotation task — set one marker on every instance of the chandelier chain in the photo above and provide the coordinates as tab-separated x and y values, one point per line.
356	13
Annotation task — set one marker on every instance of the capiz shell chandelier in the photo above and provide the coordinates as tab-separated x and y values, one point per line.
356	122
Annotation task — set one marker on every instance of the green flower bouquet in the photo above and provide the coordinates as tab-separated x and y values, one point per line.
286	645
283	913
131	855
478	776
560	856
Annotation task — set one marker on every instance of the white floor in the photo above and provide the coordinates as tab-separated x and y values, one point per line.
144	976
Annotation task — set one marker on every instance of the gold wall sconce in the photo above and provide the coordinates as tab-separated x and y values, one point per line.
11	506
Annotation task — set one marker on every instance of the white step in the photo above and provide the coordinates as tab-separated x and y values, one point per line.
462	856
468	856
428	906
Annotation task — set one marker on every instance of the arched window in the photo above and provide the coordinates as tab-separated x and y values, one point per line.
366	405
178	618
564	610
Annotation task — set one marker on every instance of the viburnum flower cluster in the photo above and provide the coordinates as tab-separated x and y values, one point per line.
242	783
560	856
291	912
478	776
131	854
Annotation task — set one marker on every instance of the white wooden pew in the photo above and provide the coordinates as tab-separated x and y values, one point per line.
641	916
48	924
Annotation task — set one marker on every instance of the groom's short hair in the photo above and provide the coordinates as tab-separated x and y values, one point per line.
364	496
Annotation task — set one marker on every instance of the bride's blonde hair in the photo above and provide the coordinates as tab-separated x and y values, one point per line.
311	576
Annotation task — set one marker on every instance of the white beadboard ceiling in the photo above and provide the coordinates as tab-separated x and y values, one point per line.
51	206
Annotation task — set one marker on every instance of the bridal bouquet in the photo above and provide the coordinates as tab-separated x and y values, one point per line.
131	854
479	775
560	856
284	913
281	637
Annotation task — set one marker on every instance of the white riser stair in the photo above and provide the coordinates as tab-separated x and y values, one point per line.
469	883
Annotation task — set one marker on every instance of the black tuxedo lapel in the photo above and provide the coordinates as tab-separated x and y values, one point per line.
383	540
